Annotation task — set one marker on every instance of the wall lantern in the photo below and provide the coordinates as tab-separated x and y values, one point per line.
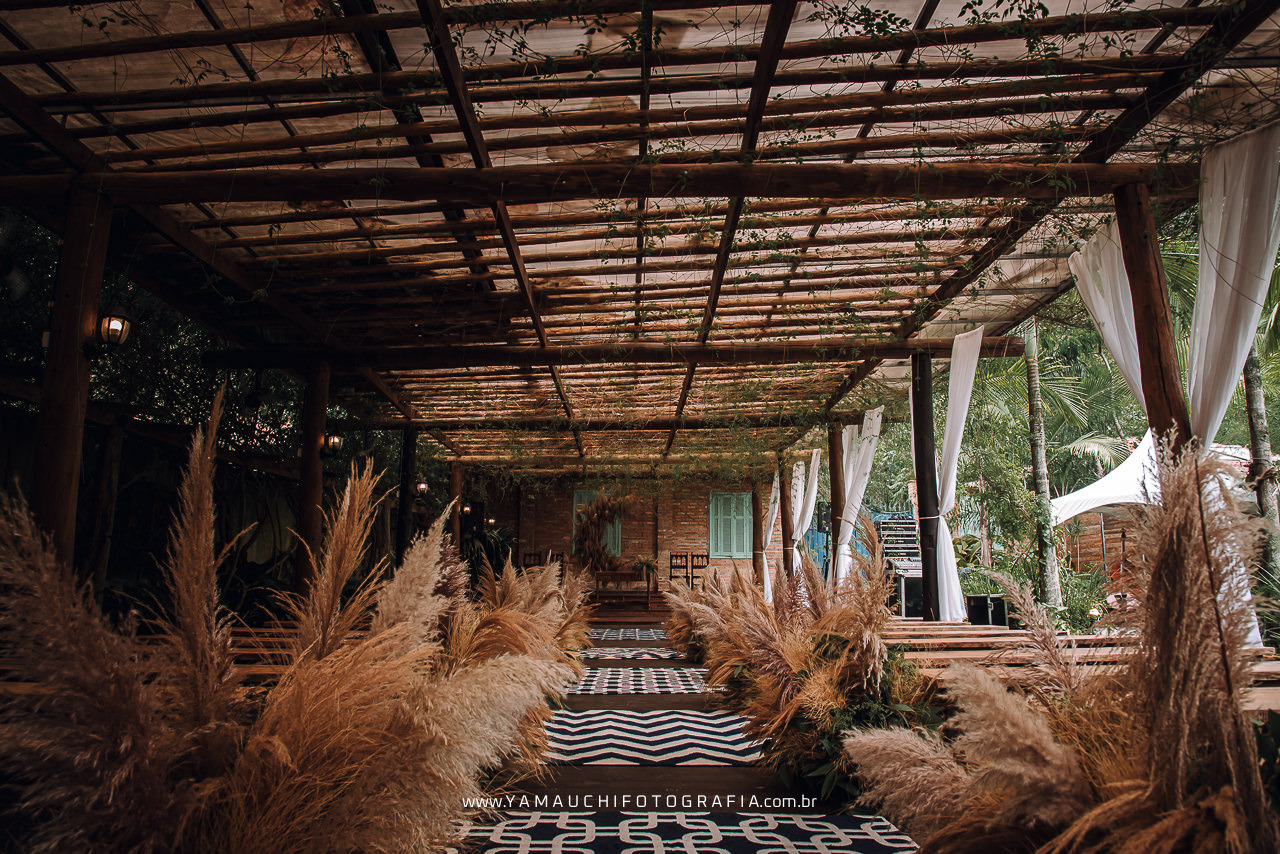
423	486
113	327
333	443
466	508
491	520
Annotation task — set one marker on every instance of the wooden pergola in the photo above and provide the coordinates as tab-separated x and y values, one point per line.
569	234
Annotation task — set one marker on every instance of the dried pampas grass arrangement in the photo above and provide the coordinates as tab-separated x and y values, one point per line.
374	733
803	667
1156	755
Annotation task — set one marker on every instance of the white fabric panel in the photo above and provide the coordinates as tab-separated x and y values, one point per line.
802	508
1239	236
775	499
965	350
857	468
1103	285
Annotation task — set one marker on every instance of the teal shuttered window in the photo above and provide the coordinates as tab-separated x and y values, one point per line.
730	533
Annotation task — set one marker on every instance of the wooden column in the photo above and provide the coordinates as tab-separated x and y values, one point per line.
64	393
315	402
784	510
757	532
455	495
926	477
1157	354
408	490
105	523
835	446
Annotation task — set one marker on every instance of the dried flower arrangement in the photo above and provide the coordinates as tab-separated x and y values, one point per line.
806	667
395	702
588	533
1155	755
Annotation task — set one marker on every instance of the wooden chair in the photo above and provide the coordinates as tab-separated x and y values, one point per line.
679	563
531	559
698	564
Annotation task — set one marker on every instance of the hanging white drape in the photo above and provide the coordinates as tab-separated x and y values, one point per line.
1239	236
804	496
857	472
1103	285
770	517
965	350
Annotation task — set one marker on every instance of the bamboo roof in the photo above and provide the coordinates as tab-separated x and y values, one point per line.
648	229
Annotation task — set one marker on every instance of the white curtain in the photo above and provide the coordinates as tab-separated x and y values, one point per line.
770	517
857	472
804	496
1239	236
965	350
1103	286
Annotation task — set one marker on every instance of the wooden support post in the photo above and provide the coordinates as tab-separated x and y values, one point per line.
408	490
104	524
757	532
835	443
315	402
926	478
455	495
64	394
1157	354
784	510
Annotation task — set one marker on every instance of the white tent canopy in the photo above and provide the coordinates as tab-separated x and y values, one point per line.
1134	481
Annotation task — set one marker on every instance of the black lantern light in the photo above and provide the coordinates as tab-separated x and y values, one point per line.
113	327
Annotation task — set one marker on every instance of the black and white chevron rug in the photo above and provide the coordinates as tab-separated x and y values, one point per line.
632	653
686	833
628	634
641	680
663	737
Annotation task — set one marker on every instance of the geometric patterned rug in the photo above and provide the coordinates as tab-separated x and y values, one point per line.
686	833
633	653
641	680
663	737
627	634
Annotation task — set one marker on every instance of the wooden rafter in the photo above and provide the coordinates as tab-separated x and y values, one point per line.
437	27
528	184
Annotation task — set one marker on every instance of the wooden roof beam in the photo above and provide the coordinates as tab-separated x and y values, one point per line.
436	24
560	182
440	357
608	125
424	84
338	25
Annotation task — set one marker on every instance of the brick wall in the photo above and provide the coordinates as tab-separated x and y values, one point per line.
680	517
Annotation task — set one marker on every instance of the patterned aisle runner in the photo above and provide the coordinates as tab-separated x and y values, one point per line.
641	680
659	742
632	653
624	737
688	833
628	634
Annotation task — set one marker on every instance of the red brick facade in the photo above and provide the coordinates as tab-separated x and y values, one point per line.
657	523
